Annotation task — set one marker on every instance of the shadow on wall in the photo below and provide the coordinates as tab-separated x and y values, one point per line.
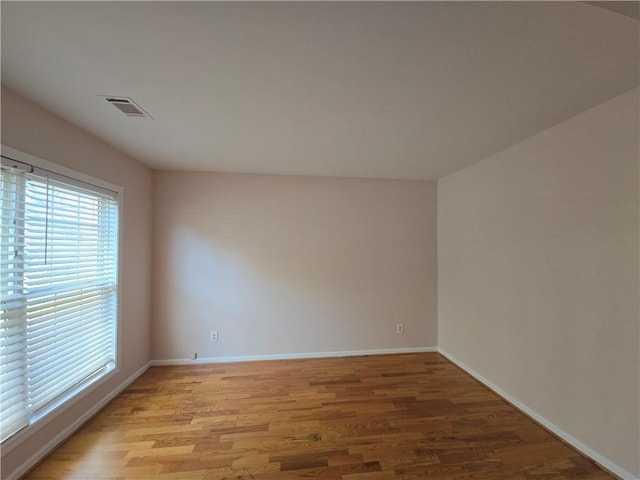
223	288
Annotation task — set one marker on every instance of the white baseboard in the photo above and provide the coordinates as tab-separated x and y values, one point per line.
571	440
291	356
67	432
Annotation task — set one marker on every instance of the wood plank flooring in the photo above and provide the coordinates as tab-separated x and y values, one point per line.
386	417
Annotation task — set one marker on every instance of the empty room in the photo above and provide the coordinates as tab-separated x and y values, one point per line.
331	240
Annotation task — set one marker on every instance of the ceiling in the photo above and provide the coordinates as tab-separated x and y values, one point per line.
365	89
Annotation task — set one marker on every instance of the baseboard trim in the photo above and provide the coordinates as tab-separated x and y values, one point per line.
571	440
67	432
291	356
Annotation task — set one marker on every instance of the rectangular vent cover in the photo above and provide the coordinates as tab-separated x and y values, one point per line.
127	106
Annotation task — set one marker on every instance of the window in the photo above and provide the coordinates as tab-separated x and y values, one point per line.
58	290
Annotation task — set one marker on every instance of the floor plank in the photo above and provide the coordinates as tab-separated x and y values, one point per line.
380	417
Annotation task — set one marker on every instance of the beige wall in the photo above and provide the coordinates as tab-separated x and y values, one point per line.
538	275
33	130
285	264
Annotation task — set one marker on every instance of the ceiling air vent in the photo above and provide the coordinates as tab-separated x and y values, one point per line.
127	106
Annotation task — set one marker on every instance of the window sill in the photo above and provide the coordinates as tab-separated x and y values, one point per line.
55	409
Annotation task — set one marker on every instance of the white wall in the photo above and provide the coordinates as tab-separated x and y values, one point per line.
31	129
288	265
538	275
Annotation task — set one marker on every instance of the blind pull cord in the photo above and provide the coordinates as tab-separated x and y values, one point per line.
15	227
46	228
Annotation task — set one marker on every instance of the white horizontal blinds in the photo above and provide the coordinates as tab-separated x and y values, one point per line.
14	412
68	286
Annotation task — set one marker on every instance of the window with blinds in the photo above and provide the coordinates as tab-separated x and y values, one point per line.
58	290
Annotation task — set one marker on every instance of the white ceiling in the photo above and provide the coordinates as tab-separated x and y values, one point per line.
381	89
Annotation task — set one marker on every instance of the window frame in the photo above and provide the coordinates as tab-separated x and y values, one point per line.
78	394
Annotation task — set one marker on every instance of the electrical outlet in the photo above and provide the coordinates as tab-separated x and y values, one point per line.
194	356
214	336
400	328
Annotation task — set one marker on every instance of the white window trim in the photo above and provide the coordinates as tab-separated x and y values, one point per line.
85	389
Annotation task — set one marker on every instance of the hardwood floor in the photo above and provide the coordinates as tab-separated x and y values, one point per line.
412	416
